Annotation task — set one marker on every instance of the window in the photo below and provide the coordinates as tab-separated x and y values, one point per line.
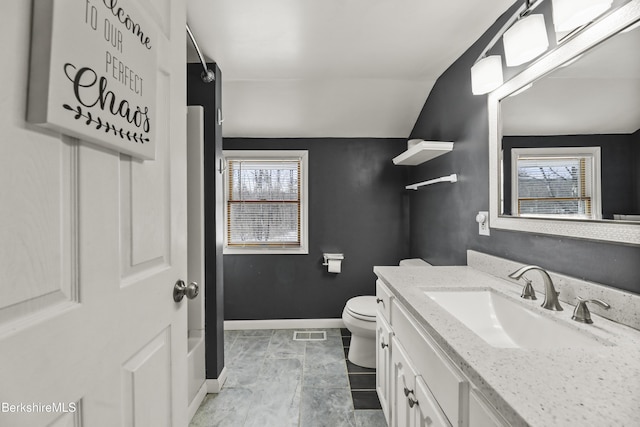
265	202
556	182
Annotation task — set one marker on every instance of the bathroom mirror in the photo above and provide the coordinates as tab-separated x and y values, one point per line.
564	137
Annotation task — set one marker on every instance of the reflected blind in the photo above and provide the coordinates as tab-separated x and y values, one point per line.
554	186
263	202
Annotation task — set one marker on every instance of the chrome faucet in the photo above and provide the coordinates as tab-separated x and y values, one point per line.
550	294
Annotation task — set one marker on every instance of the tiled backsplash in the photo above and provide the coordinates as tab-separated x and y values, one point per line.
625	306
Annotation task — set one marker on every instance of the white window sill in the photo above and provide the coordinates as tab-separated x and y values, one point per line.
264	251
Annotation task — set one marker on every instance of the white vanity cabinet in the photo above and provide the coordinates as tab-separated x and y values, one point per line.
416	382
428	413
383	363
481	414
383	348
412	401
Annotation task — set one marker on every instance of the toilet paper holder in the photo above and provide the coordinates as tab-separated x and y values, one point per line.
328	256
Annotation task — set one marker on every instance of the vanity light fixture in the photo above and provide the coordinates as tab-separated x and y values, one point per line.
487	71
525	40
524	36
571	14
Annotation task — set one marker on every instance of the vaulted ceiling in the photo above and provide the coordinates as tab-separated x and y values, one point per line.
333	68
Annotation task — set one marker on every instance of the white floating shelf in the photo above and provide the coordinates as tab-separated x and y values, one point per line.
422	152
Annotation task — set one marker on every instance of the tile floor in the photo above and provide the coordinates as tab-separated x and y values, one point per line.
274	381
362	381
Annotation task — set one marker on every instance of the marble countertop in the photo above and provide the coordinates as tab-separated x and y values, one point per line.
597	385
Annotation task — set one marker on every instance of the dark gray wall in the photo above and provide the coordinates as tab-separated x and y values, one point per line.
209	95
442	215
619	166
357	207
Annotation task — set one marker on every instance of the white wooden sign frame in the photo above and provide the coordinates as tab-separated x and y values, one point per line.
93	73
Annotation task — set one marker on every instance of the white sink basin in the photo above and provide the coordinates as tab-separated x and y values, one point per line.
505	323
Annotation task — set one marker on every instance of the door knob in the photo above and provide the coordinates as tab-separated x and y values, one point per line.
180	290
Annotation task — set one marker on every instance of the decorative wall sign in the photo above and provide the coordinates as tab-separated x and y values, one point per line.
93	72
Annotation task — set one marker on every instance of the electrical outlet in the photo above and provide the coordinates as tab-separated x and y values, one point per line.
483	223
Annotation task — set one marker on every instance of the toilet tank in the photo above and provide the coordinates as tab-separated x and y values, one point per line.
414	262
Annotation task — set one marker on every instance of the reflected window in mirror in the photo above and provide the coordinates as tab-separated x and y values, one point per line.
555	182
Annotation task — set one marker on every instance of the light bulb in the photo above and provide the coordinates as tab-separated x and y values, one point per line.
570	14
486	75
525	40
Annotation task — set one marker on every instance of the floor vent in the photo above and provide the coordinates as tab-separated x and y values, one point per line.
309	335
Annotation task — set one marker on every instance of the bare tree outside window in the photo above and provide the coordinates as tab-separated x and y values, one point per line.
263	205
554	186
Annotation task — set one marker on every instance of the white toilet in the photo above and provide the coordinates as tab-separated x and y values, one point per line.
359	317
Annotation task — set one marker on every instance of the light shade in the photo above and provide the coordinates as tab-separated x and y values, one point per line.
525	40
486	75
570	14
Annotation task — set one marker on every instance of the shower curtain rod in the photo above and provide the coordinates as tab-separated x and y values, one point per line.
207	75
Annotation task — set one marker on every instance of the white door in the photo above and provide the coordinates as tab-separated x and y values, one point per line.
91	244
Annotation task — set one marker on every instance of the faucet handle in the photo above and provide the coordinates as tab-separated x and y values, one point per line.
527	291
582	313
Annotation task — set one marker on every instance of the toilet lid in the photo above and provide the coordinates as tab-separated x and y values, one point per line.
363	306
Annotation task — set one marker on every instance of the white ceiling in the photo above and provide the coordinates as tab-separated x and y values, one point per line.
333	68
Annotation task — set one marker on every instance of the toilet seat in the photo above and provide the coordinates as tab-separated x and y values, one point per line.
363	308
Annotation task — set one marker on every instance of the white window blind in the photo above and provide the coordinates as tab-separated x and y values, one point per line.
555	185
264	202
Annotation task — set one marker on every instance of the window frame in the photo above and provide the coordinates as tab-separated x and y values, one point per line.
258	155
592	154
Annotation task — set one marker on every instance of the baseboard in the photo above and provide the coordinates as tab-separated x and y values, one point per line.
283	324
215	385
197	401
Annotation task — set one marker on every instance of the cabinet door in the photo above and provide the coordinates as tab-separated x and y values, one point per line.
428	412
383	365
383	300
403	387
446	382
481	414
